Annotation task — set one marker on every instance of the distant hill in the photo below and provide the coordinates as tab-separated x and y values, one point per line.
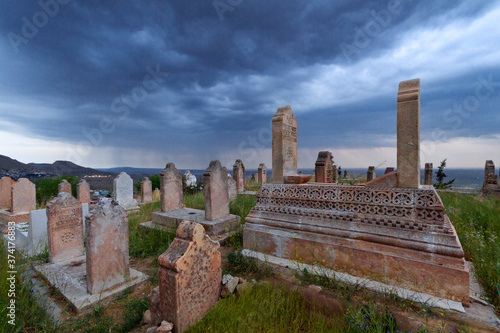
61	168
133	171
7	163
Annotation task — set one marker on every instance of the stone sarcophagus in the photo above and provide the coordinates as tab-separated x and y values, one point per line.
399	236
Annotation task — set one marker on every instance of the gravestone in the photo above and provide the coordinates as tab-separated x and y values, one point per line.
490	178
336	176
64	186
189	276
408	134
428	174
123	192
284	128
190	179
64	228
6	192
239	175
146	190
215	191
171	188
231	187
23	196
156	195
107	247
37	231
83	191
371	174
262	174
324	168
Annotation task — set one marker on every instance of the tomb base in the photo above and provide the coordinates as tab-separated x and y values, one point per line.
173	218
396	236
69	278
6	216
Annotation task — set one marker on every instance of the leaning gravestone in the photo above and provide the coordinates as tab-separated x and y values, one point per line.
123	192
106	230
64	228
189	276
64	186
239	175
83	191
146	191
6	192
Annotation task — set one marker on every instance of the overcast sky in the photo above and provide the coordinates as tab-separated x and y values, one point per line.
143	83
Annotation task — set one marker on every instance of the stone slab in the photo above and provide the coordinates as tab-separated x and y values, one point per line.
173	218
20	238
69	278
6	216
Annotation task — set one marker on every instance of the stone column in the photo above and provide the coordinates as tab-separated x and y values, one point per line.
64	228
428	174
190	277
64	186
83	191
6	192
408	135
262	174
284	144
215	191
146	191
171	188
23	196
239	175
107	254
323	172
371	174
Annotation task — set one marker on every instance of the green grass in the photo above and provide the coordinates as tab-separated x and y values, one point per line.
195	201
237	264
477	222
267	309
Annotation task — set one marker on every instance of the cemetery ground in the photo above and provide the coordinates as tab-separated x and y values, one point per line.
282	300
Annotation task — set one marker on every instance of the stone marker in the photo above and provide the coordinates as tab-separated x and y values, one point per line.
6	192
262	174
389	170
37	231
215	191
171	188
146	190
284	128
408	135
189	276
64	186
64	228
490	178
371	174
428	174
190	179
107	254
23	196
83	191
231	187
123	191
156	195
336	176
239	175
324	168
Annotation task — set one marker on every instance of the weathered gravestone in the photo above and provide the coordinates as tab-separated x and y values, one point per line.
216	192
262	174
324	168
231	187
6	192
156	195
428	174
239	175
284	128
146	190
64	186
371	174
123	192
171	188
23	196
490	178
189	276
107	256
408	134
83	191
64	228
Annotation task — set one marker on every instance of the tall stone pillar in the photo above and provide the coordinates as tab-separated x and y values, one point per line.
370	174
284	144
239	175
428	174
